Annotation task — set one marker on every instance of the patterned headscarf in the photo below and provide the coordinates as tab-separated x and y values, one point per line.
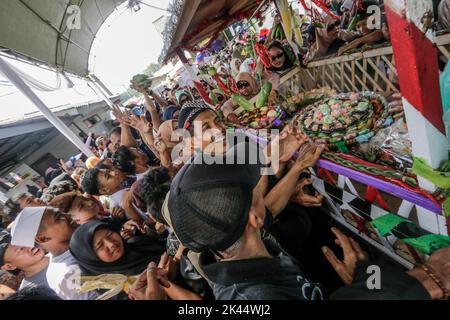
190	111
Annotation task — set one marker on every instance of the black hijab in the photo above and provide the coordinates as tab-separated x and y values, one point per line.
139	251
288	61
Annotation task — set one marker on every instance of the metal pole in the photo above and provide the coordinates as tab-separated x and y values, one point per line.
101	84
15	79
98	91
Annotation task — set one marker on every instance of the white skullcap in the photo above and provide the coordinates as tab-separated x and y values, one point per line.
25	226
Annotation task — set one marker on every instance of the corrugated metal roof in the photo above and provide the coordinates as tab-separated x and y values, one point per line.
192	21
58	33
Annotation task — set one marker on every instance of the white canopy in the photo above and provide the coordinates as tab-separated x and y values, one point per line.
37	30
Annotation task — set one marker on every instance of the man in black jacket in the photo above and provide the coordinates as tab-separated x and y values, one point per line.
218	211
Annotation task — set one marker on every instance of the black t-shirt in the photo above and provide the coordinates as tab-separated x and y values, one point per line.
395	284
276	278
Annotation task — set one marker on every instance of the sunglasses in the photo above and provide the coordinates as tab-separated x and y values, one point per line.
242	84
278	56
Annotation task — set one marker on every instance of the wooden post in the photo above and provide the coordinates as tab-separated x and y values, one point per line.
416	58
194	77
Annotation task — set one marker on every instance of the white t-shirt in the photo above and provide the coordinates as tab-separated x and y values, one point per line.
115	200
64	277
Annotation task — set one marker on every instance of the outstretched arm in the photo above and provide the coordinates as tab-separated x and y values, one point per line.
126	138
369	38
176	292
158	99
156	120
277	199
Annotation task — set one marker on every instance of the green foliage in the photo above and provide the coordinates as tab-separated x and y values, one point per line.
151	69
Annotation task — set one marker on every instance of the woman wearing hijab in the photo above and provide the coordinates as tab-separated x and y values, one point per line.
99	249
248	87
182	97
282	59
328	40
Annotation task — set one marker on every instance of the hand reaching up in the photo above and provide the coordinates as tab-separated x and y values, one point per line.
150	284
352	254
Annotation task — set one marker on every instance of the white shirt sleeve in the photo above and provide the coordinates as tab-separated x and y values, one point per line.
64	277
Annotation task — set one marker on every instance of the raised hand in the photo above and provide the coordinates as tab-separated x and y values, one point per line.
396	106
290	140
352	254
150	284
141	124
170	265
129	229
308	155
119	114
304	199
118	213
160	145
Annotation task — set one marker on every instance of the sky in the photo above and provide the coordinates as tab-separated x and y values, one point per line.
126	44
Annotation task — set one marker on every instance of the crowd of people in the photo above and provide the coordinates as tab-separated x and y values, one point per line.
150	207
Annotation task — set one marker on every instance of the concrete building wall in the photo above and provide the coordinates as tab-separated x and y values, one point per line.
59	147
99	128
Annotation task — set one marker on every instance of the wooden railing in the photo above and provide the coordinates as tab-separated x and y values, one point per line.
371	70
443	44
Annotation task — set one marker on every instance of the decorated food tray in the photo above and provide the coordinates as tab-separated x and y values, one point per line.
261	118
303	99
344	118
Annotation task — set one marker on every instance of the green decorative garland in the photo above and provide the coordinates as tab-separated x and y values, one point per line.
369	170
